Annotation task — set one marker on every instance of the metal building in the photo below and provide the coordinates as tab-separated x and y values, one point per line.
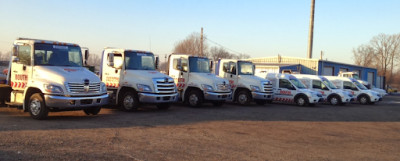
312	66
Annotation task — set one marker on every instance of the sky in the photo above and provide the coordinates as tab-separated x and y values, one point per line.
261	28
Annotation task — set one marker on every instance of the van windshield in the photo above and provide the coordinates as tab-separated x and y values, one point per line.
57	55
297	83
199	65
328	83
355	76
359	85
245	68
139	61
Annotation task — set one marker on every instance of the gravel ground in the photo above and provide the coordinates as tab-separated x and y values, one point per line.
230	132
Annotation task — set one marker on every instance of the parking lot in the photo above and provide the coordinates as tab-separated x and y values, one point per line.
230	132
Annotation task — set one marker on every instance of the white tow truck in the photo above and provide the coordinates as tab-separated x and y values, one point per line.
330	92
132	79
355	75
48	76
288	89
359	91
195	82
245	85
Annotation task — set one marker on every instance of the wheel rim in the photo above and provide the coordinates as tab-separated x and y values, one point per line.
242	98
128	102
193	99
301	101
35	106
334	101
363	100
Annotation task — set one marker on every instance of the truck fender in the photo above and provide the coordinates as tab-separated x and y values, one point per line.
237	90
121	90
188	89
27	95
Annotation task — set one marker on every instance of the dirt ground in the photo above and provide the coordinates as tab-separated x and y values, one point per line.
230	132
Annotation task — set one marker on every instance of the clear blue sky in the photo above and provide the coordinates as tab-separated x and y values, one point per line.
259	28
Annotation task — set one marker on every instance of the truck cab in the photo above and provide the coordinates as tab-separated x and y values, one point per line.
288	89
359	91
132	79
195	82
330	92
245	85
355	76
48	76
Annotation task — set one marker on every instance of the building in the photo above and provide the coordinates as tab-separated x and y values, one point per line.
312	66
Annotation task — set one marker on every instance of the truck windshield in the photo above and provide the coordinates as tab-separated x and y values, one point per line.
359	85
245	68
57	55
139	61
199	65
297	83
328	83
355	76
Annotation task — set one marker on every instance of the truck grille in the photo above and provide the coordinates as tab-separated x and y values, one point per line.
164	85
267	86
80	88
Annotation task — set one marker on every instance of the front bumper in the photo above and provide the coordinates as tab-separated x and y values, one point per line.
157	98
213	96
375	98
315	99
62	102
261	96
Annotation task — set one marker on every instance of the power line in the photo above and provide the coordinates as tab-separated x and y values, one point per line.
222	46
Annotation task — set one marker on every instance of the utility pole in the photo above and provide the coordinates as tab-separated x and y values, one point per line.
201	42
311	31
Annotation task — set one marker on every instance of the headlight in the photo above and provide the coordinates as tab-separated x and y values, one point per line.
207	87
255	88
103	87
144	88
52	89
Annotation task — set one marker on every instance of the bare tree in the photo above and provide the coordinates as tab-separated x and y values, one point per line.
191	45
241	56
5	56
364	55
219	53
94	60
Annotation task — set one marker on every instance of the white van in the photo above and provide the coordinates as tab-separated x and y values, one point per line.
288	89
330	92
360	92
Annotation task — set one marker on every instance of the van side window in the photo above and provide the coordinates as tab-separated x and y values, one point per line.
284	83
347	85
317	84
232	65
175	64
24	54
225	67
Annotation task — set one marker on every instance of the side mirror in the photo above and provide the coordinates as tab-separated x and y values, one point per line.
86	54
15	51
179	65
157	62
254	69
211	65
110	60
119	66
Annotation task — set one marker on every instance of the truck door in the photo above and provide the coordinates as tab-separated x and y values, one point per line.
179	74
112	73
231	74
21	67
285	92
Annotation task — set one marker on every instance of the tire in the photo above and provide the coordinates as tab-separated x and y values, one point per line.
129	101
301	101
243	97
335	100
92	110
194	98
163	106
37	108
261	102
218	103
364	100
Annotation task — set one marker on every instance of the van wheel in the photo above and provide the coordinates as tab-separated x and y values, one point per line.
129	101
92	110
301	101
243	97
37	107
163	106
335	100
194	98
261	102
364	100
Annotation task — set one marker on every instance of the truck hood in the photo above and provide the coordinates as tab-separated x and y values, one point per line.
62	75
251	80
207	78
143	76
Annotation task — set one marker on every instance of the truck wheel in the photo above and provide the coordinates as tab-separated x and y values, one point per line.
243	97
364	100
92	110
218	103
163	106
335	100
129	101
194	98
261	102
301	101
37	107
